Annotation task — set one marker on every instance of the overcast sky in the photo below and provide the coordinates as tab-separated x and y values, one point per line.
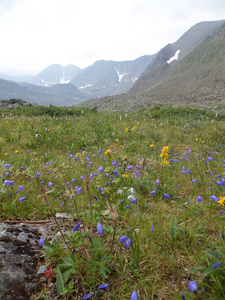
37	33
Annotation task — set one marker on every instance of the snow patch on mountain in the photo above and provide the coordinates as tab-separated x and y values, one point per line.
45	83
134	79
85	86
64	78
119	75
175	57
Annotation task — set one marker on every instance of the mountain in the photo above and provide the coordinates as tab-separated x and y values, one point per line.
54	74
58	95
189	72
19	78
110	77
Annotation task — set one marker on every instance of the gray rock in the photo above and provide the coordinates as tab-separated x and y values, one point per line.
19	250
63	216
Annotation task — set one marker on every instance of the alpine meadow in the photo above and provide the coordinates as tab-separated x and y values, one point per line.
141	193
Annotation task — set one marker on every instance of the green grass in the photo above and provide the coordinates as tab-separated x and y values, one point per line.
66	144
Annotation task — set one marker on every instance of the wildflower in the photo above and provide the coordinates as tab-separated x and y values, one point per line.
164	153
21	188
49	273
103	286
41	242
210	158
123	239
221	201
22	199
79	190
121	201
7	165
152	193
133	200
152	230
193	287
194	180
6	153
99	228
128	243
117	140
152	145
82	177
126	130
199	199
77	226
214	198
100	169
130	167
95	198
50	184
87	296
165	163
38	174
127	206
62	204
16	151
167	196
134	296
107	152
8	182
216	265
73	180
157	181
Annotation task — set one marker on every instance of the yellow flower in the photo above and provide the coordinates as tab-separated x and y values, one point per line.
165	163
16	151
6	153
221	201
126	130
164	153
107	152
117	140
124	175
152	145
196	139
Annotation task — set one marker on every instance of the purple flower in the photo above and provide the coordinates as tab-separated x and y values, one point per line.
138	167
127	206
22	199
216	265
42	182
100	169
128	243
130	167
134	296
152	230
7	165
21	188
95	198
22	168
91	176
157	181
77	226
87	296
7	174
41	242
62	204
38	174
67	183
194	180
123	239
99	228
50	184
8	182
212	197
152	193
134	200
82	177
199	199
167	196
210	158
103	286
73	180
193	287
79	190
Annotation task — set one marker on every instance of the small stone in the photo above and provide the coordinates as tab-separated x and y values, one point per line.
63	216
42	269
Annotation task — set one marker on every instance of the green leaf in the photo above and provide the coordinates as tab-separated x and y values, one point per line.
195	269
181	230
173	232
59	282
214	272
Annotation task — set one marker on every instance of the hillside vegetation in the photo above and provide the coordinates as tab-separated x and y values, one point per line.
145	191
